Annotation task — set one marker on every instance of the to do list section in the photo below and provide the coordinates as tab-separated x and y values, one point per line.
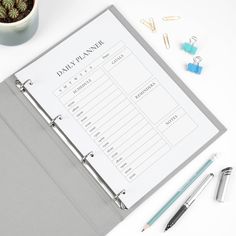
113	103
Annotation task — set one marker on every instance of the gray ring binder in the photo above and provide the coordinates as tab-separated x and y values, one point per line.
83	158
171	74
39	145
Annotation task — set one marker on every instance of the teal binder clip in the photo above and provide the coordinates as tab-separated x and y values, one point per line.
189	47
194	67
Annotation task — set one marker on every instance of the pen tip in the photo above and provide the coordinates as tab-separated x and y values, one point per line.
167	227
145	227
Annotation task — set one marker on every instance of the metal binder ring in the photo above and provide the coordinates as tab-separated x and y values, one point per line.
53	121
122	206
118	195
117	199
22	85
84	158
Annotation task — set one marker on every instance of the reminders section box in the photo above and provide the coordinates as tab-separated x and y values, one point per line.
164	104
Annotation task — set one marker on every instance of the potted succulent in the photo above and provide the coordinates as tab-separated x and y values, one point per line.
18	21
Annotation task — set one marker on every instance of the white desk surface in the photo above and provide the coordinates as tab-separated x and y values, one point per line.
213	22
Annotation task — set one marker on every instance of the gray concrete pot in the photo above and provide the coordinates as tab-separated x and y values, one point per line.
19	32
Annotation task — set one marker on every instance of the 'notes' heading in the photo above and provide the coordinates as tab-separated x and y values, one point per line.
80	58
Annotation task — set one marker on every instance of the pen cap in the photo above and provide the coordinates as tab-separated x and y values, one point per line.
223	184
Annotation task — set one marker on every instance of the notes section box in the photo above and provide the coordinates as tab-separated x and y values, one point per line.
177	126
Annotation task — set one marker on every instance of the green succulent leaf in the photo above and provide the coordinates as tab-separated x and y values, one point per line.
22	6
8	4
3	12
13	13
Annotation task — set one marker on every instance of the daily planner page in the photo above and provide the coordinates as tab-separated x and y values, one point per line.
117	101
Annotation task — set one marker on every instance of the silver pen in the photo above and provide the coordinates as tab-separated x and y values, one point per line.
190	200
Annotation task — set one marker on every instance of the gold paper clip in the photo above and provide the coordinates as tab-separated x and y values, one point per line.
153	24
149	24
170	18
166	40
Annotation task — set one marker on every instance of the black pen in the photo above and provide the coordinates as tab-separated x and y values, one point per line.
190	200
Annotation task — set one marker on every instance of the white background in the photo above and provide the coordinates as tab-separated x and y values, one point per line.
213	22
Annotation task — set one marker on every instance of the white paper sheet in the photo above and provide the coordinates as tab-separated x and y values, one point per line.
116	101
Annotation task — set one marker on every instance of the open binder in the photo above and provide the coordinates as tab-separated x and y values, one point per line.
75	198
